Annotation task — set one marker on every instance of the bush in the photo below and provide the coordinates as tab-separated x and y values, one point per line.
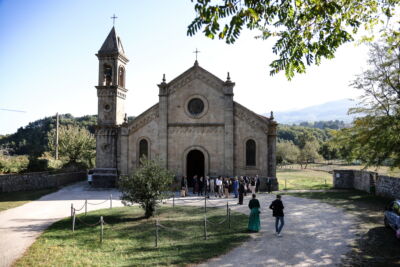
13	164
38	165
145	186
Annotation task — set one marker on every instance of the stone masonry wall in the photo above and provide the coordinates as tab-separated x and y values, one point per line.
385	186
35	181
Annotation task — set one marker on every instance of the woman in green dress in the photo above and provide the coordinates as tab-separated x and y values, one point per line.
254	219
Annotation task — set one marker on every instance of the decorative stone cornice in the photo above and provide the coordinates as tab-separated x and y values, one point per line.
250	117
144	118
196	129
195	72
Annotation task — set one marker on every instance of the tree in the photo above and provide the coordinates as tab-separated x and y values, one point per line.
287	152
305	31
146	185
75	144
309	153
374	137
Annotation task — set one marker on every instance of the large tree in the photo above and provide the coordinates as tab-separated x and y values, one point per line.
375	136
76	144
304	31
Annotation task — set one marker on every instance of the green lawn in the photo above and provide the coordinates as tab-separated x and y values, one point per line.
129	239
375	245
303	179
15	199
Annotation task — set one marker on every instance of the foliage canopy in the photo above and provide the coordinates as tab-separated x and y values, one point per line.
304	31
375	137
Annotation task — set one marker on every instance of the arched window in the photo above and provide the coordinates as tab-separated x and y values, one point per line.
107	75
250	153
121	77
143	149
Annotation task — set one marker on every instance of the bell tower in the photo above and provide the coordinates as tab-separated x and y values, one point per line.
111	94
111	91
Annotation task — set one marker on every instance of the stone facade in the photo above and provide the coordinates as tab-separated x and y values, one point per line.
370	182
38	180
195	128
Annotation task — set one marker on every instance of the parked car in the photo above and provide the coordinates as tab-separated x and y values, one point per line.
392	217
90	176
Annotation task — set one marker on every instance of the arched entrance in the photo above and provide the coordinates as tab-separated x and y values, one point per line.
194	165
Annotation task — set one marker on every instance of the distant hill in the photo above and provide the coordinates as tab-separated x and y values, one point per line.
330	111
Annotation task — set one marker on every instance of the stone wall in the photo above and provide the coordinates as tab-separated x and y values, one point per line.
367	181
387	186
38	180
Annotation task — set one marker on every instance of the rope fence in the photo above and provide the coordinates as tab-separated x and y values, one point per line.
158	225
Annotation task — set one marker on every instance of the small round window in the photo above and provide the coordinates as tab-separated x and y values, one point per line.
196	106
107	107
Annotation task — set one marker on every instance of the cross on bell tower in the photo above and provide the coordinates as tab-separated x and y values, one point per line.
114	18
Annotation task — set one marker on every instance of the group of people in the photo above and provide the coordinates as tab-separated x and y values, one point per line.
277	212
224	186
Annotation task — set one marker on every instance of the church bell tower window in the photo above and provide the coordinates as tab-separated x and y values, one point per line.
121	77
107	71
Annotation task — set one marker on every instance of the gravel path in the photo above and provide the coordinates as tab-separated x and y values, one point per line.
20	226
315	234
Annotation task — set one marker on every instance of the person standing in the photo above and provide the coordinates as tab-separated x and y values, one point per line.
207	187
277	212
241	191
252	185
219	186
195	185
226	187
212	187
184	187
254	218
257	184
235	187
201	185
269	185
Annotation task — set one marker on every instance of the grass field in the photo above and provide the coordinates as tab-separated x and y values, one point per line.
375	244
129	239
15	199
303	179
340	165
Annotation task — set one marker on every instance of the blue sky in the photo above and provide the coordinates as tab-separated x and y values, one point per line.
48	62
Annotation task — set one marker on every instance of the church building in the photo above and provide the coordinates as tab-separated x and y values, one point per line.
196	128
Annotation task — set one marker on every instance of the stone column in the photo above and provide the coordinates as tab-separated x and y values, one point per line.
163	123
272	149
229	128
123	146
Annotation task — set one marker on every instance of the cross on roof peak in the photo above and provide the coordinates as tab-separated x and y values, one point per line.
197	51
114	18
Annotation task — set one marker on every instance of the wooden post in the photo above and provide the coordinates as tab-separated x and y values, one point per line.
73	221
101	229
57	125
227	208
85	207
173	200
72	210
229	218
111	201
205	227
205	204
156	240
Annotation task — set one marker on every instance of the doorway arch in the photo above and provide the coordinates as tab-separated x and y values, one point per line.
195	163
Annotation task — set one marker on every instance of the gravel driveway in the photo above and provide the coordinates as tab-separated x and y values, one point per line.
315	234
